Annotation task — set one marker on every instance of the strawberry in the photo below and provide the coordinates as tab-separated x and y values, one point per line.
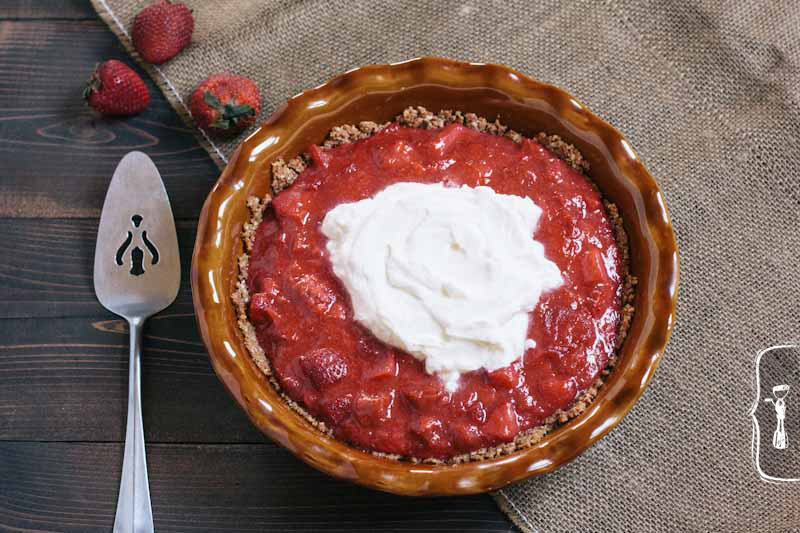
262	308
447	137
320	156
381	367
115	89
466	436
225	104
319	296
593	266
477	412
505	377
392	439
161	30
374	408
428	395
431	430
291	203
337	408
502	423
324	367
557	392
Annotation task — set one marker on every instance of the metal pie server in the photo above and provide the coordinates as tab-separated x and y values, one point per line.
136	274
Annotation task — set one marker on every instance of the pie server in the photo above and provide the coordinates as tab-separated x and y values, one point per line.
136	274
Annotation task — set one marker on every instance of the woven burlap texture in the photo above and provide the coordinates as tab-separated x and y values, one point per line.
708	94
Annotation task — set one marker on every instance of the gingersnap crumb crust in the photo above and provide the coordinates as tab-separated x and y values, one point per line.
284	174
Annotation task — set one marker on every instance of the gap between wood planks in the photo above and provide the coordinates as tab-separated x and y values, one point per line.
265	442
50	275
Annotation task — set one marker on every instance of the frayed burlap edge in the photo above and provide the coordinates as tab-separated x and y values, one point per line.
284	174
162	82
510	509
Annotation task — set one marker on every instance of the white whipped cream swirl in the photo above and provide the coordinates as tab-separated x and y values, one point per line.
447	274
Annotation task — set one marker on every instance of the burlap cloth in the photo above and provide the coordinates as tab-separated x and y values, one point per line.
708	93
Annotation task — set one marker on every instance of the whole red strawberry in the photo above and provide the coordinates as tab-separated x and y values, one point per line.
115	89
161	30
225	104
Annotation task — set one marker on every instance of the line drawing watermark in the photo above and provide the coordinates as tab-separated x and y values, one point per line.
780	439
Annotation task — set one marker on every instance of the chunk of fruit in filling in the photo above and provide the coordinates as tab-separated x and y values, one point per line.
379	398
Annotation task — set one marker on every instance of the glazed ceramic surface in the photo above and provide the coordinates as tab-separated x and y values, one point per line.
378	93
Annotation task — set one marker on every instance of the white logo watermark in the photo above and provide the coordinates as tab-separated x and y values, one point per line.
779	440
777	372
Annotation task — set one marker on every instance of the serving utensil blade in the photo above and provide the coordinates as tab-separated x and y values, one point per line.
136	263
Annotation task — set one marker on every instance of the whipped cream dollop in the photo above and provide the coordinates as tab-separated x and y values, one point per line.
447	274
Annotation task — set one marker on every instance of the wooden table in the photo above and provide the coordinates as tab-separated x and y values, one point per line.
63	358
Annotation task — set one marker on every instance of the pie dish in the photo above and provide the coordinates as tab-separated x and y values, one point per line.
377	94
346	374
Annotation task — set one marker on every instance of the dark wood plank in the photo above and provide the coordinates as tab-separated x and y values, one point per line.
47	270
57	157
46	9
72	488
67	380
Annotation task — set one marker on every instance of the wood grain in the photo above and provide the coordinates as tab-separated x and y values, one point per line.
72	487
57	156
49	271
47	9
67	380
63	359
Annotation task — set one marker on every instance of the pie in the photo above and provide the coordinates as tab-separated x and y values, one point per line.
310	324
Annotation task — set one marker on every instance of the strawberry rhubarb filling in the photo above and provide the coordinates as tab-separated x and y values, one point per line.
429	293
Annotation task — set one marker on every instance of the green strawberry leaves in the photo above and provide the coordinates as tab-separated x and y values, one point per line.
230	113
212	100
93	84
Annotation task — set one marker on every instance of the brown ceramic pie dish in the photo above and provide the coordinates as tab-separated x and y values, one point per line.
378	93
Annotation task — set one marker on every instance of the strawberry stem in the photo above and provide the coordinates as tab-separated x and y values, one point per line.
92	85
230	113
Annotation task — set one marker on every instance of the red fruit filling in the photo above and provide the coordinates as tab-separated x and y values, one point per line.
379	398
